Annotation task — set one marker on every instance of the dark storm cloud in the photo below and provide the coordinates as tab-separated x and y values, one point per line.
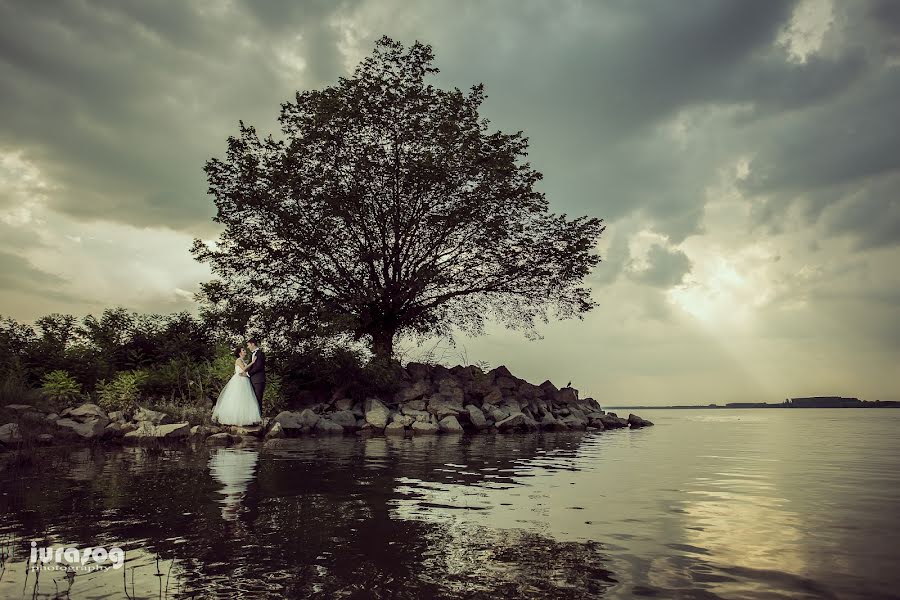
121	103
665	268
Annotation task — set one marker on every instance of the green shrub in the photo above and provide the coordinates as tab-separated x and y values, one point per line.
60	388
273	400
14	390
123	392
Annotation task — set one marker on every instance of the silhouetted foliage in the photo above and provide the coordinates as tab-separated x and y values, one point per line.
389	208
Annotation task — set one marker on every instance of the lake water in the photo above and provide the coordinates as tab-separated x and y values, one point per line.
706	504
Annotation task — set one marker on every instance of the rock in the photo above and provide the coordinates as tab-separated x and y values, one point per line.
496	413
52	417
343	404
345	419
413	412
117	415
172	430
326	425
550	423
635	421
420	428
611	421
441	406
294	423
451	391
512	422
549	389
500	371
450	424
87	411
45	438
405	420
566	395
167	431
573	421
219	439
155	417
9	433
89	429
247	430
395	428
113	430
418	404
506	383
20	408
418	389
418	370
377	414
275	432
476	417
495	396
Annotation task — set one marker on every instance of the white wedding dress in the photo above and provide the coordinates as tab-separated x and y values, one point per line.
237	402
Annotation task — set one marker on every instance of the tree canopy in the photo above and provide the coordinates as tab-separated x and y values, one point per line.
387	207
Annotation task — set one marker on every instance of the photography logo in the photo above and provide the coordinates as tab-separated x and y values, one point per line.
69	558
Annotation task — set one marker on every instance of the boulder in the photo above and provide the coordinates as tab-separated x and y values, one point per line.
405	420
418	370
412	411
495	396
326	425
276	431
87	411
635	421
117	415
343	404
45	438
415	390
441	406
573	421
200	431
420	428
219	439
345	419
476	417
20	408
566	395
550	423
450	424
155	417
9	433
512	422
395	428
295	421
377	414
496	413
549	389
52	417
88	429
450	390
113	430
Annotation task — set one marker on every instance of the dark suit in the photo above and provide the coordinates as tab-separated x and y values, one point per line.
257	374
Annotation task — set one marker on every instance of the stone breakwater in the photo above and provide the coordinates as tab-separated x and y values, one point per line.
430	400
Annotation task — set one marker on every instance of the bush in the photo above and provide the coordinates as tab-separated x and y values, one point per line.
13	390
60	388
273	400
123	392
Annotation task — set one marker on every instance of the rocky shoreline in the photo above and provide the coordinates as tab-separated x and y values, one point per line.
431	400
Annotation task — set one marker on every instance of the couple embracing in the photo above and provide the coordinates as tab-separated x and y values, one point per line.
240	402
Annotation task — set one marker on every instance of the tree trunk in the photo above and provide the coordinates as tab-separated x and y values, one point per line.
383	345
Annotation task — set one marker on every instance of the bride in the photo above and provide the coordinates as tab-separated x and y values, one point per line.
237	403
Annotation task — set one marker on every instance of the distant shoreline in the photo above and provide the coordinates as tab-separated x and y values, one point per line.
885	404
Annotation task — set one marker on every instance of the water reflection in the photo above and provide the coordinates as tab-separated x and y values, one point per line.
718	509
234	469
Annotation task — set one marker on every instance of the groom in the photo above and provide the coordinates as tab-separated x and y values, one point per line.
257	370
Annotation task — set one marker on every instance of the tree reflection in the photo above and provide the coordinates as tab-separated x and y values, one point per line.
315	517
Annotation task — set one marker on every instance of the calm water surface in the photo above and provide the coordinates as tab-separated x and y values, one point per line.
707	504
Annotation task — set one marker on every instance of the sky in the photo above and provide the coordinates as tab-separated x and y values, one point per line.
744	155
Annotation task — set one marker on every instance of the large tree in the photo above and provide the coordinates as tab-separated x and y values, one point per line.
387	207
